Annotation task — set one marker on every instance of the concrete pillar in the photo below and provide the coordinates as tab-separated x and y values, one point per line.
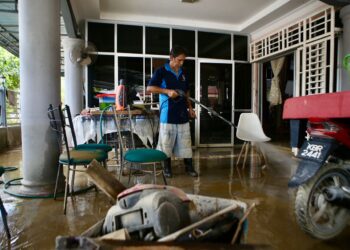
73	74
345	16
39	47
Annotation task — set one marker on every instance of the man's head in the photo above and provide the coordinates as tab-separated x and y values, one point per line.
177	57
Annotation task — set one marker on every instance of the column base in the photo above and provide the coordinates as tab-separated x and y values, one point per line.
33	191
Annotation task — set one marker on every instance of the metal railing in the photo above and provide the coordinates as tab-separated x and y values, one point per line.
9	107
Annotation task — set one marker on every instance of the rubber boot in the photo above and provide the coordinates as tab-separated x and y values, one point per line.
189	167
167	168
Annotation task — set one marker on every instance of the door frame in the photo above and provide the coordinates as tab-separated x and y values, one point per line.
198	108
296	79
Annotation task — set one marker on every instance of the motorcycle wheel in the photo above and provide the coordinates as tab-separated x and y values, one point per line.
314	214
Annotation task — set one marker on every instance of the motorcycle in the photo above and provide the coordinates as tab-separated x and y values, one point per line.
322	179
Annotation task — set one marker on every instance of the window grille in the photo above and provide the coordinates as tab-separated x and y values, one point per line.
319	25
313	40
294	35
306	30
316	68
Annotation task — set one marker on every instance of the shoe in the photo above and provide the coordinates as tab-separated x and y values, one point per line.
167	168
189	167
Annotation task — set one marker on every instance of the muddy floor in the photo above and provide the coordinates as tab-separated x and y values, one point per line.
35	223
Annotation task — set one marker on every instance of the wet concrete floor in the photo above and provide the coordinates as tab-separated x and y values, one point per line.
35	223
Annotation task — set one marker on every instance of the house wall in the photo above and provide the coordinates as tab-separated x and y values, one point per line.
3	138
10	137
345	16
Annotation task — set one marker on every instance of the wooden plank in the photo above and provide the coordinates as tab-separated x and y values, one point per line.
104	180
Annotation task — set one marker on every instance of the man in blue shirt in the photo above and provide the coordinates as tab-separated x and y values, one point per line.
175	110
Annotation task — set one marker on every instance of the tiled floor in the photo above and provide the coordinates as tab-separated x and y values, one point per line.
35	223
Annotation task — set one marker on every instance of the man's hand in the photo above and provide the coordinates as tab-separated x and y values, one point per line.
192	114
157	90
172	93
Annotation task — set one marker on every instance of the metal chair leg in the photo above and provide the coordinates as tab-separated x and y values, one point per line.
73	180
57	179
154	174
121	163
129	175
120	173
66	190
4	219
164	179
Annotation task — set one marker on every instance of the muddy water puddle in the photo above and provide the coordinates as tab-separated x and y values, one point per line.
35	223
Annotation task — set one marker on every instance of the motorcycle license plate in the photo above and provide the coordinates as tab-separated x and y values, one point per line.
315	150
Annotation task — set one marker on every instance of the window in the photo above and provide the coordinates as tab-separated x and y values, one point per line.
190	71
240	45
243	86
129	39
214	45
317	71
131	71
152	64
186	39
100	76
157	41
102	36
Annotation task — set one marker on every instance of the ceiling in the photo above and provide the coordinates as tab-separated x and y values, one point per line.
244	16
233	15
9	36
9	30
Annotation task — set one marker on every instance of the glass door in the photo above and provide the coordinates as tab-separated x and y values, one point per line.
215	92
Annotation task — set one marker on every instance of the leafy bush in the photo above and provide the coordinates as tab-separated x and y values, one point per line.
9	68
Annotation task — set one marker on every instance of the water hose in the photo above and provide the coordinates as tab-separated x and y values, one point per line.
101	121
16	182
6	169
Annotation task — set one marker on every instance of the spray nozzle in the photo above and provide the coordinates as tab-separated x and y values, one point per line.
122	82
180	92
211	112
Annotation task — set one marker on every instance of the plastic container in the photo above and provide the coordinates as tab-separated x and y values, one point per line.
105	100
120	93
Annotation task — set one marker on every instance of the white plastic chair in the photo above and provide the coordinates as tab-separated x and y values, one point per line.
249	129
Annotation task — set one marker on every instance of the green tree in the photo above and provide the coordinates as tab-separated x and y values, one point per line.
9	68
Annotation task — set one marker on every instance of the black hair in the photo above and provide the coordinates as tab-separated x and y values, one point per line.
178	50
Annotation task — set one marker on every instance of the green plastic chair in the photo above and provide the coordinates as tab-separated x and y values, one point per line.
67	156
88	146
137	160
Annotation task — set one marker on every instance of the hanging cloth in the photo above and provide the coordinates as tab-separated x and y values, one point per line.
275	96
